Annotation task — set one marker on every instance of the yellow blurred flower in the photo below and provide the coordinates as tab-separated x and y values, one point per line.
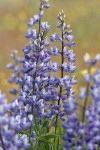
22	27
8	17
4	82
10	21
86	71
22	15
2	75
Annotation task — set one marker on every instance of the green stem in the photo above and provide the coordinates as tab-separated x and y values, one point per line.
31	148
62	74
34	76
87	96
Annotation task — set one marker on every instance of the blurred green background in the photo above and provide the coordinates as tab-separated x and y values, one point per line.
83	15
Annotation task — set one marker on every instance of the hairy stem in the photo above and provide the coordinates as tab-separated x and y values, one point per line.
38	55
62	74
87	95
35	75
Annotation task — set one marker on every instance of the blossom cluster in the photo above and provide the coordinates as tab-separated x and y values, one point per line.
85	133
44	108
15	67
9	139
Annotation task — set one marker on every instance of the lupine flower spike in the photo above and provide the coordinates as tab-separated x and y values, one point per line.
44	113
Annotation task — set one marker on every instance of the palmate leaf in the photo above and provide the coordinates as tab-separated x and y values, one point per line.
42	145
36	125
48	136
44	125
46	144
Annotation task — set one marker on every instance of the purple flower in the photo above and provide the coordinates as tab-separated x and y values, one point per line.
71	44
45	26
96	78
83	92
31	23
47	6
34	20
32	33
69	37
53	66
27	50
13	91
70	106
54	37
54	51
87	58
10	66
68	32
41	14
87	77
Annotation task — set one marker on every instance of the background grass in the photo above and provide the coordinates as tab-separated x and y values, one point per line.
84	17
